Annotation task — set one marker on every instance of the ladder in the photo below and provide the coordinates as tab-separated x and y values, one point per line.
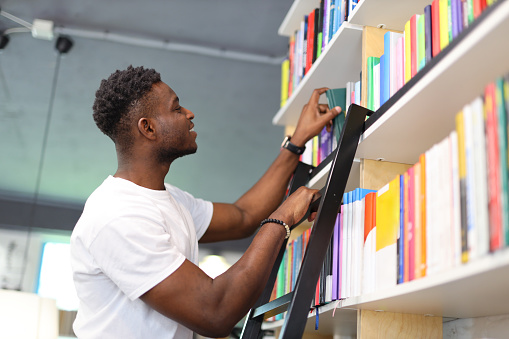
297	303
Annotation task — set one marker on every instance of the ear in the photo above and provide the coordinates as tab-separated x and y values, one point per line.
146	126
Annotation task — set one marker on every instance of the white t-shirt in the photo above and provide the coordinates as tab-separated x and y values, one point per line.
128	239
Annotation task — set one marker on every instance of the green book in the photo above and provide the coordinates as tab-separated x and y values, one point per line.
421	43
337	97
470	8
502	143
372	62
319	45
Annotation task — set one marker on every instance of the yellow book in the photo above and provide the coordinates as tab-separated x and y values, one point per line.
443	7
462	163
316	148
387	229
285	72
408	53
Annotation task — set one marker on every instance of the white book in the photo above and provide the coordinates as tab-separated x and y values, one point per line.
456	204
343	240
307	155
481	177
470	186
393	40
349	247
431	211
349	89
446	228
376	86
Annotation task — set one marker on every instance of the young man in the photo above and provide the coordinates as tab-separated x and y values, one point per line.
135	248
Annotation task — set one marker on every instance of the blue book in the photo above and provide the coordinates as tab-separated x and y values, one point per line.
358	92
332	18
427	34
382	76
387	68
401	238
454	18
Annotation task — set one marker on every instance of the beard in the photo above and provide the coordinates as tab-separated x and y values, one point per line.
171	153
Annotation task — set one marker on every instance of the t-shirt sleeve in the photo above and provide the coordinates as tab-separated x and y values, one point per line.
135	253
201	210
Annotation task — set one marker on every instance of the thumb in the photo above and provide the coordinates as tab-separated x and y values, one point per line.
331	114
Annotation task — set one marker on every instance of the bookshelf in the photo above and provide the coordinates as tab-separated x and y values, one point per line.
418	116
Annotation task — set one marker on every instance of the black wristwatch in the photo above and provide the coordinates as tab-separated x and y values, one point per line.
292	147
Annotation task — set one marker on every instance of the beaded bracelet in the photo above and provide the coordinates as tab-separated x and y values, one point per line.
277	221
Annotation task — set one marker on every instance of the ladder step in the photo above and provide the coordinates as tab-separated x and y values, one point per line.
274	307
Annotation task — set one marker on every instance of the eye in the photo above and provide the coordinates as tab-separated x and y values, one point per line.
179	109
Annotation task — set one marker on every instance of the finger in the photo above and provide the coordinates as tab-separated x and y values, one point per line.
323	108
312	216
316	94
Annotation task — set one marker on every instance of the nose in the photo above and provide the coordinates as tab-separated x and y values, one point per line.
189	114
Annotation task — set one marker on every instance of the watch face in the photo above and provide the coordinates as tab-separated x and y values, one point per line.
285	141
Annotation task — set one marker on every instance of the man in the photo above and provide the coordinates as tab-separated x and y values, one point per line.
134	250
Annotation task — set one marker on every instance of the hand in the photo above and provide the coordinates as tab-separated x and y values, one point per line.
294	208
314	118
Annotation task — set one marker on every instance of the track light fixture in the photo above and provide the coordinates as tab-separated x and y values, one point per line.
63	44
4	40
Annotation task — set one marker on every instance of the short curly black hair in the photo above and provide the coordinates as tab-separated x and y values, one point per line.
119	98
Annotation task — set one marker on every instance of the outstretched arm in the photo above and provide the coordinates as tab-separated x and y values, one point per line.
212	307
241	219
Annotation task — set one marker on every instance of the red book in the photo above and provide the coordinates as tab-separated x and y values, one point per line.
477	8
411	224
413	45
435	28
311	40
317	293
494	206
291	57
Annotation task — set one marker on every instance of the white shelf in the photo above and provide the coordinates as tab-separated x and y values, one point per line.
467	291
386	12
339	63
476	289
292	20
426	113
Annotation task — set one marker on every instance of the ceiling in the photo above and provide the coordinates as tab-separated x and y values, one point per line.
233	100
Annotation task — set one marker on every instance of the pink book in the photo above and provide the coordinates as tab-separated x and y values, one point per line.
400	63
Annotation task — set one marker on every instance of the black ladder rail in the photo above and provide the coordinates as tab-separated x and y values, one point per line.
253	322
329	204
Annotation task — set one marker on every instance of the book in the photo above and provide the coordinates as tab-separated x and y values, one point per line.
444	23
421	43
410	220
413	45
369	248
387	225
310	41
372	61
402	250
417	221
435	28
463	188
503	158
285	66
493	157
337	97
428	45
481	176
383	98
408	59
335	258
422	262
455	200
390	51
376	86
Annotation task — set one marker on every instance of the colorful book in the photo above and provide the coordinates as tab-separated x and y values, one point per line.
310	41
337	97
285	67
421	43
413	45
422	263
372	61
444	23
408	58
463	184
435	28
387	225
368	265
428	45
503	159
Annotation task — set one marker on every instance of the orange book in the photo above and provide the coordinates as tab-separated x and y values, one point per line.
406	247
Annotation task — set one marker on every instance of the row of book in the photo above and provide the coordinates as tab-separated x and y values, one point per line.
406	53
306	44
450	207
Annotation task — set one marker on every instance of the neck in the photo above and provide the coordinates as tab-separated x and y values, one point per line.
144	172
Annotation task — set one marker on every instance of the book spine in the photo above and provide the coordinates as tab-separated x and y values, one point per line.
428	45
444	23
435	27
408	55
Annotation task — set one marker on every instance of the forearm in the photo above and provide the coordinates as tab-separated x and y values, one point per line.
266	195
